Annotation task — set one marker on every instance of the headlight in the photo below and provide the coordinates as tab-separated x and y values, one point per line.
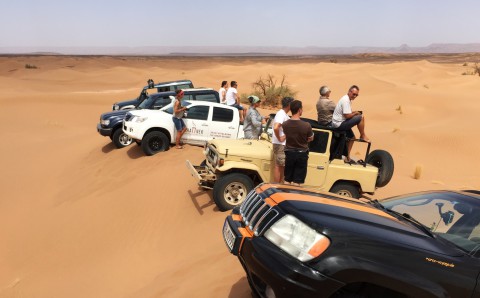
215	160
139	119
105	122
297	239
116	107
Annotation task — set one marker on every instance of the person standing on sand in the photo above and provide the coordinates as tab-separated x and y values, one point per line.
344	119
222	92
278	139
252	126
178	111
325	107
233	99
298	134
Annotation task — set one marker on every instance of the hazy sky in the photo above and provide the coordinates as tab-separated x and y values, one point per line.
298	23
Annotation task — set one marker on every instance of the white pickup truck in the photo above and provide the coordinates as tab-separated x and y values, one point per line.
204	121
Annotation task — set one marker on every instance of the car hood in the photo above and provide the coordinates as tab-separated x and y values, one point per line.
251	149
113	114
339	217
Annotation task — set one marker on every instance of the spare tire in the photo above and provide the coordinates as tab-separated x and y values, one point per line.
384	162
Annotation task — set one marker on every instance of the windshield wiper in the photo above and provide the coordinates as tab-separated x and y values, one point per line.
406	216
412	220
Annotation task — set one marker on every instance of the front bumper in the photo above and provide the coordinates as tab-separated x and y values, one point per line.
204	177
132	129
106	132
270	269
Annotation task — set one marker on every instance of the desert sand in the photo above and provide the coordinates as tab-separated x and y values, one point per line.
79	218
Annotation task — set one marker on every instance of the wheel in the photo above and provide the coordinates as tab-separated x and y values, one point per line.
346	189
384	162
139	143
154	142
231	190
120	139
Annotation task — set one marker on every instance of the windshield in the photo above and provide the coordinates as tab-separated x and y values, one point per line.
450	215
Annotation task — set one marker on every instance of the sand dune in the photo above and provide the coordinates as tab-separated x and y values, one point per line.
80	218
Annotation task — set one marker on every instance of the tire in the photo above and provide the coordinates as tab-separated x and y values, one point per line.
139	143
154	142
384	162
231	190
120	139
346	189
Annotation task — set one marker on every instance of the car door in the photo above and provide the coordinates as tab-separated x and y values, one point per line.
318	158
222	125
197	122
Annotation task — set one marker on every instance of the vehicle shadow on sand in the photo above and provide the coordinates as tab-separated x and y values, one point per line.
108	148
135	152
202	196
241	289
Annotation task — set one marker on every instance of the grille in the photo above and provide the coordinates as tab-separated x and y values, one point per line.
256	213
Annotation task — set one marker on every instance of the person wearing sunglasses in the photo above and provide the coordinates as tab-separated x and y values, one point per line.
344	119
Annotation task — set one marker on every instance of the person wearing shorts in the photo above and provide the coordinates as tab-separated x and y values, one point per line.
178	111
278	140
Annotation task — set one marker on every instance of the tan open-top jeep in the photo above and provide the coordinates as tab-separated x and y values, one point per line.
233	167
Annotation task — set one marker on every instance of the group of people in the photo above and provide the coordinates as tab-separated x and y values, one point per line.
340	116
291	135
251	118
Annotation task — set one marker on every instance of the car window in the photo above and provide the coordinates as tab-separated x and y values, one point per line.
161	102
320	141
206	97
222	114
451	216
198	112
188	97
184	86
164	89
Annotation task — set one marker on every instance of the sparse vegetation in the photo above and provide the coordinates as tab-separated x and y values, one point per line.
465	64
270	91
399	109
418	172
30	66
475	70
333	60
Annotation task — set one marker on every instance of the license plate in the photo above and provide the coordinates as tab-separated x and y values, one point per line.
228	236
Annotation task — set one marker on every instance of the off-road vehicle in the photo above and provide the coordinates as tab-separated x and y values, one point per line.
233	167
293	242
110	124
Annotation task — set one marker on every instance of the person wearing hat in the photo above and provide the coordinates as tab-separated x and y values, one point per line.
325	107
252	126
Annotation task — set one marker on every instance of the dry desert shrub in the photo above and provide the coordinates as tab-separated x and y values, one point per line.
418	172
399	109
30	66
270	91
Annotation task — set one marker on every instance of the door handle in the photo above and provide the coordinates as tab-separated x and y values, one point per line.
320	168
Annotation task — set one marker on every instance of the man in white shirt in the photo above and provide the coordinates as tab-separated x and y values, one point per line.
233	99
278	140
344	118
